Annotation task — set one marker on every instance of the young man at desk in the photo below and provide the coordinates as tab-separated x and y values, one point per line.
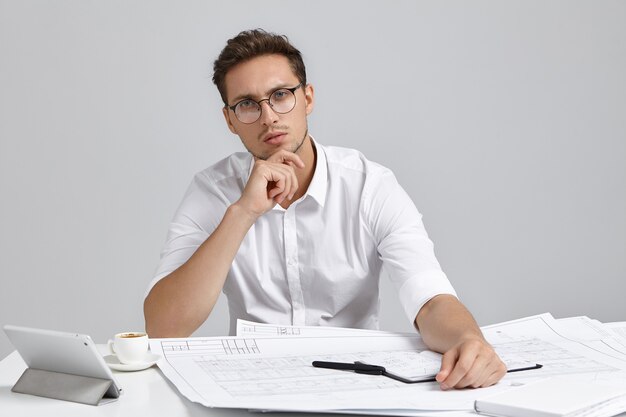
295	232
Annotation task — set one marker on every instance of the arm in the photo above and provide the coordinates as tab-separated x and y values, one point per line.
468	360
180	302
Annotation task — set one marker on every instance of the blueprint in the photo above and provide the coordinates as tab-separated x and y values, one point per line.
268	367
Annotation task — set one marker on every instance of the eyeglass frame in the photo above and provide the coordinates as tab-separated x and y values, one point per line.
292	90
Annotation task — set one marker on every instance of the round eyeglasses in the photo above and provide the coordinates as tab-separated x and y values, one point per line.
281	101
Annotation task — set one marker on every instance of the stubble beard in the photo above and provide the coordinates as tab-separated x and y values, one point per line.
296	147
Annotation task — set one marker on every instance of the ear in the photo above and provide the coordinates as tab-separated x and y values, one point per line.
226	114
309	98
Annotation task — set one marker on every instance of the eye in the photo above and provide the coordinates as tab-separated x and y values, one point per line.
247	104
280	94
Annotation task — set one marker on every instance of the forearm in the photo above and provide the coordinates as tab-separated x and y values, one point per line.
444	322
179	303
468	360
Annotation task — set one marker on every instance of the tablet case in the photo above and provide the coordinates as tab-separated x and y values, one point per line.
60	386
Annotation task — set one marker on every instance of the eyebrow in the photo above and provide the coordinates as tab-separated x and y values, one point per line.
267	93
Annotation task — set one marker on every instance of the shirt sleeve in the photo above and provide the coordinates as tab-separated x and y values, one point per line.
197	216
403	245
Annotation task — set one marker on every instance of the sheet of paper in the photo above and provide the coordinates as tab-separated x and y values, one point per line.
542	337
275	372
618	327
409	365
406	365
582	330
594	334
245	327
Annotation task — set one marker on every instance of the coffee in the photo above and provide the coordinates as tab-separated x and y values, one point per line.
130	347
127	335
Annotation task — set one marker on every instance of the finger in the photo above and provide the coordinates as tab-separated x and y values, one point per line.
492	367
488	370
291	181
287	179
277	188
492	375
294	183
461	368
290	178
499	373
447	364
477	374
493	378
280	179
468	352
286	157
277	178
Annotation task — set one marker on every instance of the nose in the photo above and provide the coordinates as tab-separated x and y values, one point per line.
268	115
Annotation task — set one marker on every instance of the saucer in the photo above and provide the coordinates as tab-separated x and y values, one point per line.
114	363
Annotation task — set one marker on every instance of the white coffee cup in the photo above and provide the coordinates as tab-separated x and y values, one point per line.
130	347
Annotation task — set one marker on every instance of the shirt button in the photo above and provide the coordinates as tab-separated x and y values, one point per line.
291	262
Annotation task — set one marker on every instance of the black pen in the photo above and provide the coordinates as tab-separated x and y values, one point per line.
358	367
528	368
363	368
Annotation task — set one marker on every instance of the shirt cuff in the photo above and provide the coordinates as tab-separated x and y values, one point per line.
417	291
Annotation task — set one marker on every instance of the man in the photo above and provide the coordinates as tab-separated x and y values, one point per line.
297	233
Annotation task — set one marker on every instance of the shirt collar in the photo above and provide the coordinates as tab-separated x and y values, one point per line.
319	183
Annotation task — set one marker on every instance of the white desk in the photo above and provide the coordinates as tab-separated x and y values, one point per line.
145	393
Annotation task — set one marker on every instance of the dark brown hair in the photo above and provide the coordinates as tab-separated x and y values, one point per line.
251	44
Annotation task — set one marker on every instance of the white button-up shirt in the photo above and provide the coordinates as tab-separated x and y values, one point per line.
319	261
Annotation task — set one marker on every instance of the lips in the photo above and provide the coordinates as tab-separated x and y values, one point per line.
274	138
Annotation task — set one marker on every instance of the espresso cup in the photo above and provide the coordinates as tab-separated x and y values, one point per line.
130	347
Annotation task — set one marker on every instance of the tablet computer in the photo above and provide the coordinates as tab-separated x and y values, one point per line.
67	353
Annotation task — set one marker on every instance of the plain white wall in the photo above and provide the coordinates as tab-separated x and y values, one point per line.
505	122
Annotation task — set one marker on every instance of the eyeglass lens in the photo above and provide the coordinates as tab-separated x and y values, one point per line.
281	101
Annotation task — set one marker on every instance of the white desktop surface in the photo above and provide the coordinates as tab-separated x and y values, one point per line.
144	393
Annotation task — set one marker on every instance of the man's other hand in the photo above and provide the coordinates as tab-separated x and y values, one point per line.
470	364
